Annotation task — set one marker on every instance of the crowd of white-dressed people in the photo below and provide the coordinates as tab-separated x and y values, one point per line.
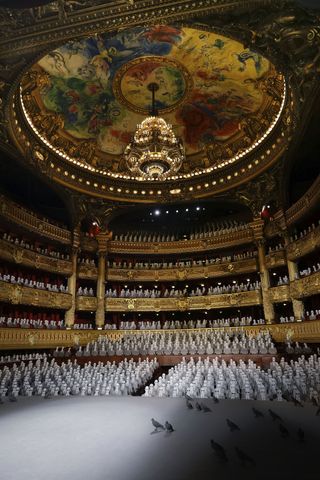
176	292
177	264
43	250
209	229
298	380
85	291
188	324
303	232
23	357
47	378
25	322
181	343
30	281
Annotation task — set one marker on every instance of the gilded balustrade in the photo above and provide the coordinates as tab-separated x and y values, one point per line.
306	286
88	272
20	295
183	303
84	303
29	258
18	338
276	259
17	214
305	245
281	293
182	273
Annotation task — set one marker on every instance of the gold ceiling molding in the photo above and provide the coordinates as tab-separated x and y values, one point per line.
274	36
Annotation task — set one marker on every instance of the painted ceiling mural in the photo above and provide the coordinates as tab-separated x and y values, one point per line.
208	84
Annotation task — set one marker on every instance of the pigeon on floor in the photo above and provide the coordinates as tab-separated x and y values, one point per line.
284	432
169	427
257	413
296	402
219	451
198	406
205	409
188	397
300	435
314	402
189	405
233	426
318	412
244	458
274	415
157	425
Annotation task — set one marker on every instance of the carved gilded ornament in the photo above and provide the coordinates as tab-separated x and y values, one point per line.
15	294
18	255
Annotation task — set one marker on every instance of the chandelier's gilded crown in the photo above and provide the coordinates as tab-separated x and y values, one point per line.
154	153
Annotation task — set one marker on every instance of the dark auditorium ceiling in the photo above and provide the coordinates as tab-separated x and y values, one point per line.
238	84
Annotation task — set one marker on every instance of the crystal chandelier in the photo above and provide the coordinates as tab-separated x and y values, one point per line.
154	153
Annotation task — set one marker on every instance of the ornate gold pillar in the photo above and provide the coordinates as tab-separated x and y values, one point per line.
102	239
72	280
297	305
268	307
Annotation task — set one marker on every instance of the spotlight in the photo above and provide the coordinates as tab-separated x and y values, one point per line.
167	211
177	211
198	208
274	273
187	209
157	212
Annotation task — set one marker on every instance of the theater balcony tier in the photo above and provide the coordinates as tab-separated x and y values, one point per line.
15	213
306	286
28	258
305	245
86	303
19	295
206	302
16	338
172	274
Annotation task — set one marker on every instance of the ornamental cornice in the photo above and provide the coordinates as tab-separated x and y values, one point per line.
20	295
280	293
86	303
276	259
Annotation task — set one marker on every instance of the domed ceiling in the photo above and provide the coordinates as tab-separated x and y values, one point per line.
85	99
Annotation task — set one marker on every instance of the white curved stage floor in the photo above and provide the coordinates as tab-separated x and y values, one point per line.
109	438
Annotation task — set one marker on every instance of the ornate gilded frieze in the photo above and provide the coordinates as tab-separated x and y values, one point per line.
28	258
16	338
183	303
276	259
306	286
19	295
305	245
22	217
279	294
86	303
87	272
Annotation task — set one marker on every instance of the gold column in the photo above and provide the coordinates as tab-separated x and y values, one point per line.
268	307
102	239
72	280
297	305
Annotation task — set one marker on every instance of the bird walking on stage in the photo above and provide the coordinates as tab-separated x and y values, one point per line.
169	427
189	405
157	426
188	397
219	451
297	402
257	413
244	458
314	402
300	435
284	432
318	412
274	415
233	426
198	406
205	409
